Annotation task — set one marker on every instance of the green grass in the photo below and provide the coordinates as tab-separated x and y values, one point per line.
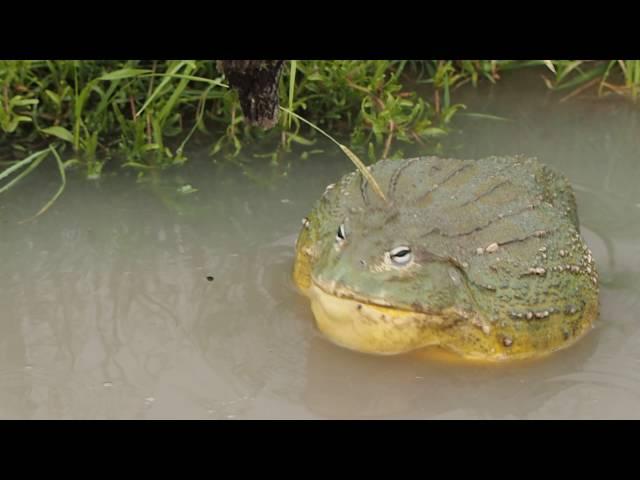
142	114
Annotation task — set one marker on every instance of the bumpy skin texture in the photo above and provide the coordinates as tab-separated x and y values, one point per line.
498	269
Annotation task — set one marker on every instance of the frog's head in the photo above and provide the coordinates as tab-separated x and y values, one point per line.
374	286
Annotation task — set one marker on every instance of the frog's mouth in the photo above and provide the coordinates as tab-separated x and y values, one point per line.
373	325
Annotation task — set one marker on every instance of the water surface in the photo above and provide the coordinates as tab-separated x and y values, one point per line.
107	312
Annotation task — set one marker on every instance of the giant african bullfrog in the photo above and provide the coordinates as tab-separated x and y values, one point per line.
480	257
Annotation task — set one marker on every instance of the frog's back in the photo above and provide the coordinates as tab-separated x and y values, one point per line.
511	223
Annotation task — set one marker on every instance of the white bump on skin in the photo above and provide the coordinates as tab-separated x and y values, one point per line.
492	248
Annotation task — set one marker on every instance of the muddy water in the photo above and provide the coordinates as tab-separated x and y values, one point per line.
107	311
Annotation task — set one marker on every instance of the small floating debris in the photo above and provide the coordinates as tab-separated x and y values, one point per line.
186	189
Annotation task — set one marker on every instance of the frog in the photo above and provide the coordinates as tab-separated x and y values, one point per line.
483	258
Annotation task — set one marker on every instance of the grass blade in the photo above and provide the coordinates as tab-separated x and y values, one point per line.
549	65
292	86
124	73
25	172
168	76
352	156
195	78
484	116
22	163
60	132
60	190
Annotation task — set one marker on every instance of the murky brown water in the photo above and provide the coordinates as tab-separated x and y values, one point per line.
106	311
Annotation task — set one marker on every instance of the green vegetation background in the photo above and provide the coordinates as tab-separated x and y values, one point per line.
142	114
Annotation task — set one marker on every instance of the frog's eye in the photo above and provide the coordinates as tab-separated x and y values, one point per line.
341	235
401	255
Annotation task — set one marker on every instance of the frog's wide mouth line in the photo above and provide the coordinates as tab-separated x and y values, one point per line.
346	294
